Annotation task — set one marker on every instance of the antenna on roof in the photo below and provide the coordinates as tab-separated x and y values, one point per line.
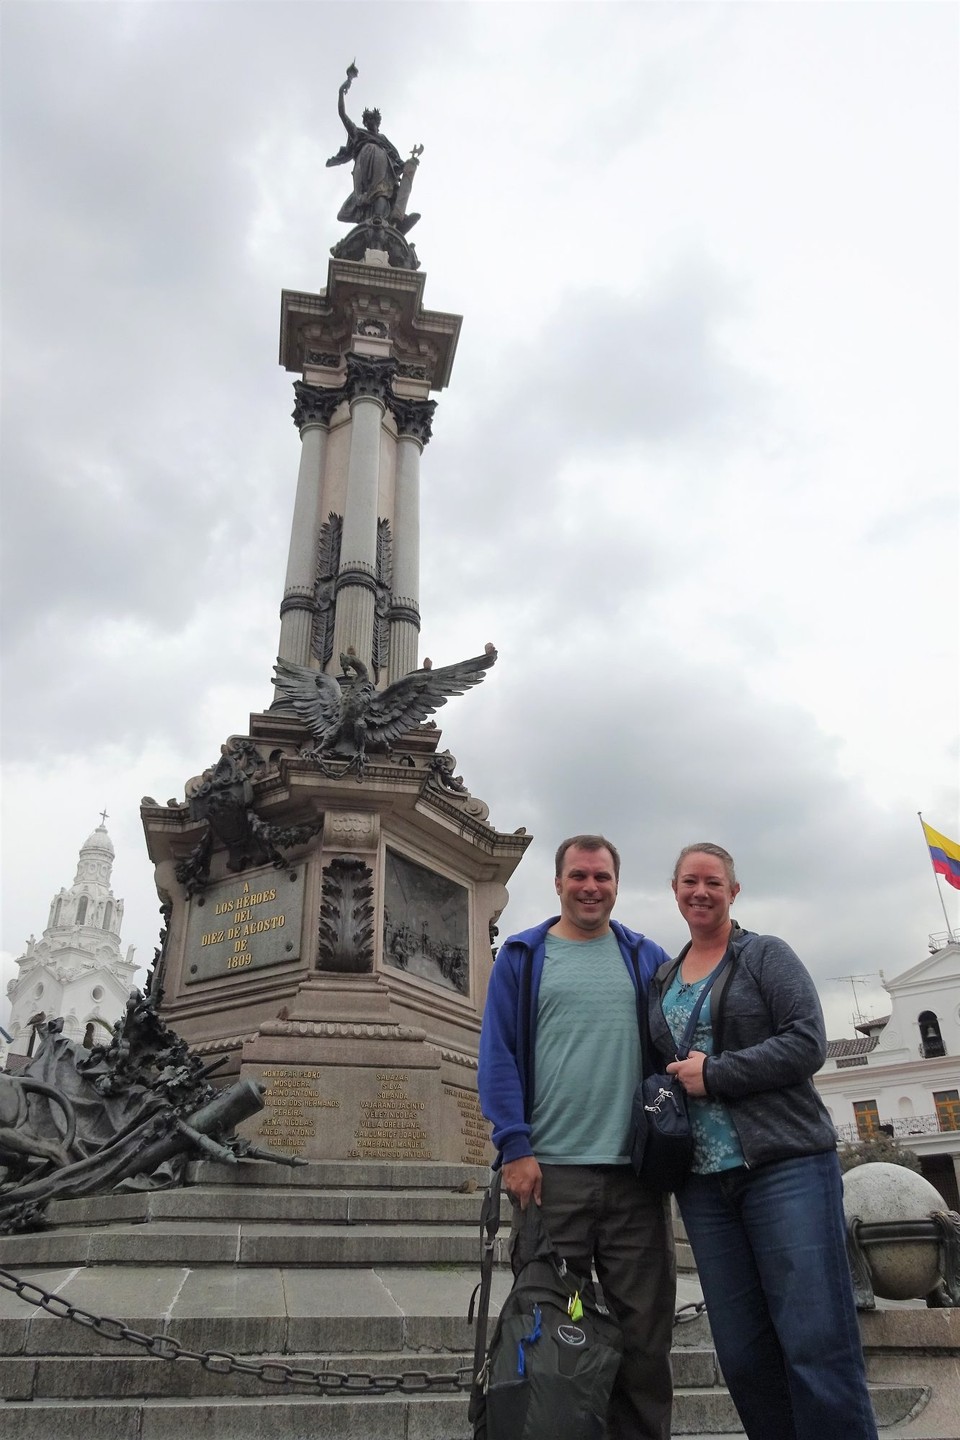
858	1017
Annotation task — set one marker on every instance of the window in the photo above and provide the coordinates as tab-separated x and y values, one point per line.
867	1116
108	915
82	910
948	1108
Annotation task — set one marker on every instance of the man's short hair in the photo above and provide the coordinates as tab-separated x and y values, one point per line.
588	842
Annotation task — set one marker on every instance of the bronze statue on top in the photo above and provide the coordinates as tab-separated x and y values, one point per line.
381	188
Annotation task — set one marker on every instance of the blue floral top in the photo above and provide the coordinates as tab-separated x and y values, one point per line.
715	1142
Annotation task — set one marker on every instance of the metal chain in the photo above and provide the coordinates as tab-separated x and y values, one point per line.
271	1372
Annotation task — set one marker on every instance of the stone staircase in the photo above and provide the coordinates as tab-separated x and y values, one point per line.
346	1267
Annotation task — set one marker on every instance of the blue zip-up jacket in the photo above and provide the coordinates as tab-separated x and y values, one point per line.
508	1036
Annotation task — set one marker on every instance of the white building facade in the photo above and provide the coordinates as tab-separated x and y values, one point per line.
903	1074
76	970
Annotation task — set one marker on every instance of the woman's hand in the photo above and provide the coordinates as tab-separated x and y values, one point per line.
690	1073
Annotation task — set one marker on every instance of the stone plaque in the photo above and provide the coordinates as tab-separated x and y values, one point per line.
474	1130
244	924
293	1103
426	920
349	1112
392	1124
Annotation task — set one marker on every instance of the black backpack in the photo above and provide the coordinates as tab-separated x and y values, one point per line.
549	1371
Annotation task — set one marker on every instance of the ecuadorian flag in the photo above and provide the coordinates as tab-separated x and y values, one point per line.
945	855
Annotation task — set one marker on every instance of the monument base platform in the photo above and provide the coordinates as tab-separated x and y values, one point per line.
358	1269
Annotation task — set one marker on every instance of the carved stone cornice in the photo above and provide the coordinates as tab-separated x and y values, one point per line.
414	417
343	1030
216	1047
359	575
405	610
314	404
369	377
457	1057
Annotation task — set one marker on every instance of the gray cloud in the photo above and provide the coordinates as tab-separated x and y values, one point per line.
634	429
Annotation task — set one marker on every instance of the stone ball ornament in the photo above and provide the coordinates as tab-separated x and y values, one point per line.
902	1241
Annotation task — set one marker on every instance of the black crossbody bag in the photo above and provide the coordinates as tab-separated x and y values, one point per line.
661	1142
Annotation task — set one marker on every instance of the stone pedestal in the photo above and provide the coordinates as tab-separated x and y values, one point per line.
344	960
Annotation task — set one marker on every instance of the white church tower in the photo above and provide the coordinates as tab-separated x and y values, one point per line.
76	970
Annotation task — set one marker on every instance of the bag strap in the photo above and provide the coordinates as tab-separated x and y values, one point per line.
686	1039
489	1225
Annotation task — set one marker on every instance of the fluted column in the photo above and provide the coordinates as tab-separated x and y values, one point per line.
367	387
312	412
413	419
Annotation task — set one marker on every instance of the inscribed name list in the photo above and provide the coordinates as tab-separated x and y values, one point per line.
242	925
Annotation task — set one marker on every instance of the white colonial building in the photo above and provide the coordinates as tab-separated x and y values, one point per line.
903	1074
76	970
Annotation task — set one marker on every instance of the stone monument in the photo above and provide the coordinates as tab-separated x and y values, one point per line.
329	885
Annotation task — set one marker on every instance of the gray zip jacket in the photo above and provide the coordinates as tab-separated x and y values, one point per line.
768	1039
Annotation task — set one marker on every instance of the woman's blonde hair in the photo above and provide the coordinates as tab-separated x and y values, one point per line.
706	847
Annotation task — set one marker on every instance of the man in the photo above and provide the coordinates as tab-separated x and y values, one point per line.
560	1057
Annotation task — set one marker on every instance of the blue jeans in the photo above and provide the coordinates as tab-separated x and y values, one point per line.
771	1254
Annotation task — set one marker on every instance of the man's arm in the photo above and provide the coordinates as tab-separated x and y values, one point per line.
499	1078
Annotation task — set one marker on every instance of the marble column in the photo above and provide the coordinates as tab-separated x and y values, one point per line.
312	412
413	419
367	386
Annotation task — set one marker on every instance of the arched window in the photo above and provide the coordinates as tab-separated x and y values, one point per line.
931	1041
56	911
108	915
82	910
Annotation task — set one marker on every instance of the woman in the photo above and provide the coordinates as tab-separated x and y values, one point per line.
377	166
762	1208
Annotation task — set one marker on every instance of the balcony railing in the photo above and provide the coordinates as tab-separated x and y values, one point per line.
903	1127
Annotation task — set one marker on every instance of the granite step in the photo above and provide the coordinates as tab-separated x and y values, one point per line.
707	1412
342	1175
278	1207
126	1374
193	1243
278	1310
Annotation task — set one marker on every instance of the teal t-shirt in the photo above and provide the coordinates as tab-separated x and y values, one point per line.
716	1145
587	1061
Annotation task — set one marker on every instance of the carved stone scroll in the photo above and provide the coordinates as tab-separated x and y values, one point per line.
384	598
346	917
328	564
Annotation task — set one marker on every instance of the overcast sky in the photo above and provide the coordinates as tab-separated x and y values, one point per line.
695	475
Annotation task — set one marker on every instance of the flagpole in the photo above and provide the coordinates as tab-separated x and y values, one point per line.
936	881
